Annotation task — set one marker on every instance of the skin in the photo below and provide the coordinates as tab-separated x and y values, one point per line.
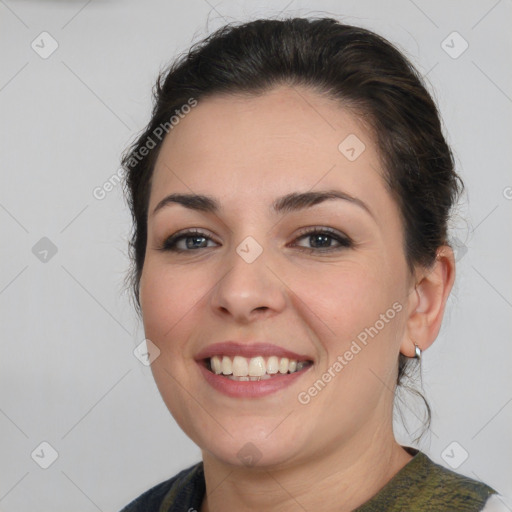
338	450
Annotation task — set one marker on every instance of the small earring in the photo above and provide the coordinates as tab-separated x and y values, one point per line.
417	354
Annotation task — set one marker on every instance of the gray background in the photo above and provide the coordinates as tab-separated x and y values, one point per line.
68	373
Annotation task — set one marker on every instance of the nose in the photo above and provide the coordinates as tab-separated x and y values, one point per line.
248	291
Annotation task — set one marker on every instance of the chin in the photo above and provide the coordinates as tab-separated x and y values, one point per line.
253	446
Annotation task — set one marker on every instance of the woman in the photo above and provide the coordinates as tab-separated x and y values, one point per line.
290	199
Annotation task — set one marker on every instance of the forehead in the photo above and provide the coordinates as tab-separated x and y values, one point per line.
285	140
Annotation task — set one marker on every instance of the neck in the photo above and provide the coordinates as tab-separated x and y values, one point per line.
340	480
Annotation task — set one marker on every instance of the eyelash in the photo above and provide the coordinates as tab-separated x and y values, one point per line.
344	241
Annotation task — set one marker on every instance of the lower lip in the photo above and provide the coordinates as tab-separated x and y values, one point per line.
250	389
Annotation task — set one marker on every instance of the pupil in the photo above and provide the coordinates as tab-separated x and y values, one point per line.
320	240
195	241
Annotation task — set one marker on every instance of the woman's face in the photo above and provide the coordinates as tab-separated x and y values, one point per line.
274	267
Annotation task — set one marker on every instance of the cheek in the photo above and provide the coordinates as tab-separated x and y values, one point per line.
361	307
354	311
169	300
347	297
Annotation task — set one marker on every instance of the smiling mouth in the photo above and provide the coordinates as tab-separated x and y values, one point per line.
244	369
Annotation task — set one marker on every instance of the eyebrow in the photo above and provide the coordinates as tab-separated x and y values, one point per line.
285	204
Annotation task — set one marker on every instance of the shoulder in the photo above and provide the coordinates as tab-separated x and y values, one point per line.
161	497
423	484
446	488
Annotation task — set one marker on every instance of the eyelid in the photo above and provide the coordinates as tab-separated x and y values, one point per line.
315	228
192	231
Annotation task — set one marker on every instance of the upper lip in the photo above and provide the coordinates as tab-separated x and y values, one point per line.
234	348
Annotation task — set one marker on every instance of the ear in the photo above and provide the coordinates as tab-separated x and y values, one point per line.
427	302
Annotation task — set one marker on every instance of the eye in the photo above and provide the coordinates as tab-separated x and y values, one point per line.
322	239
315	239
186	241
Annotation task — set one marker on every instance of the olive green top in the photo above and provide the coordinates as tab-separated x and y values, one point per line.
424	485
421	485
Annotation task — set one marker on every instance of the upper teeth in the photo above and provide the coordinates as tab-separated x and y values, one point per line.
255	366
